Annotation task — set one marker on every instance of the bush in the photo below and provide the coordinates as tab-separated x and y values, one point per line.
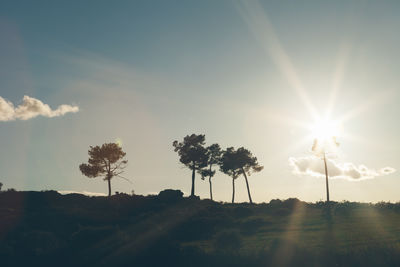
170	195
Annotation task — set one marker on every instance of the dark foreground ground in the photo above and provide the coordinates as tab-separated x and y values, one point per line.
49	229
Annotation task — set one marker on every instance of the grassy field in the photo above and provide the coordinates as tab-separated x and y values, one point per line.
73	230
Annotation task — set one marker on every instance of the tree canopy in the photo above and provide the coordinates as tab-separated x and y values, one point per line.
214	153
106	161
192	154
237	162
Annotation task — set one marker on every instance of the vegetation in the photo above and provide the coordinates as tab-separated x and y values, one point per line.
237	162
214	153
106	161
232	162
320	148
192	154
49	229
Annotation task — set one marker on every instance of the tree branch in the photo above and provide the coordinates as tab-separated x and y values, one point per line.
126	179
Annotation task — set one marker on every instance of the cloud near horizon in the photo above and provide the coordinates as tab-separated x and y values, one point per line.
313	166
31	108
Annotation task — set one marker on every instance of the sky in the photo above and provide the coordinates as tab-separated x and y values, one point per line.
244	73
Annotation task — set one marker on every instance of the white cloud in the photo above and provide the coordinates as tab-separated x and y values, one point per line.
6	110
31	108
314	166
91	194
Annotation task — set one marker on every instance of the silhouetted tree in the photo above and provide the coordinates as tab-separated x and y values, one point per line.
214	153
192	154
106	161
320	149
1	185
237	162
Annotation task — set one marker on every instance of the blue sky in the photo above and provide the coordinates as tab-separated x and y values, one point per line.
243	73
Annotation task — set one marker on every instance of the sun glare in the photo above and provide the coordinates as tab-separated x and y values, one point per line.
118	141
325	129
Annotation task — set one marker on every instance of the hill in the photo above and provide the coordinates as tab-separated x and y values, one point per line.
47	229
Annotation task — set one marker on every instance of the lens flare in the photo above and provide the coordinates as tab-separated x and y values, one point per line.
324	130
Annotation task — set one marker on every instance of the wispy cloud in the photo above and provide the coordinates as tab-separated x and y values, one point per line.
66	192
31	108
313	166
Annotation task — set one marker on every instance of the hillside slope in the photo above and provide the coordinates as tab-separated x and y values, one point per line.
47	229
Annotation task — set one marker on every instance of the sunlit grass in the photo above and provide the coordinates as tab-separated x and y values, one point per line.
350	230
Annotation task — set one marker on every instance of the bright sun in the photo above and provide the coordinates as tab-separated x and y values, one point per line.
325	129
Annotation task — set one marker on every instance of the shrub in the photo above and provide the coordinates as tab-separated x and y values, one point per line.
170	195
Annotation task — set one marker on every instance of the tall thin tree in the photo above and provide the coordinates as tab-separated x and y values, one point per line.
237	162
192	154
214	153
320	148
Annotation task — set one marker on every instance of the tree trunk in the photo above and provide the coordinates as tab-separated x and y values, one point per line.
233	190
209	180
109	186
326	178
193	174
247	184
